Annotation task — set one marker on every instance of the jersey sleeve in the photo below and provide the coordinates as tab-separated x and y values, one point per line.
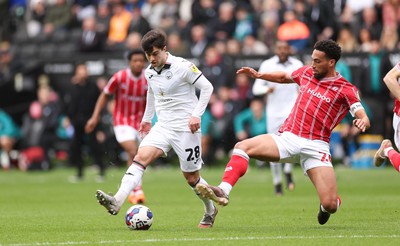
192	73
112	84
353	100
298	74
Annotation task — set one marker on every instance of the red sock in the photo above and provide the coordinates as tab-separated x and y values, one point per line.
394	158
235	169
137	188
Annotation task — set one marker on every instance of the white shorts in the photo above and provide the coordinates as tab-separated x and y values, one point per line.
125	133
309	153
396	128
185	144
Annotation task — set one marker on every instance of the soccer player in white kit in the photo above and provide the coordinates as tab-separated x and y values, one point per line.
171	95
280	101
386	150
324	99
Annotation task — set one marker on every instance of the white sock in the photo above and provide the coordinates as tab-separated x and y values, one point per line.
287	168
208	204
323	209
131	179
225	187
386	151
276	171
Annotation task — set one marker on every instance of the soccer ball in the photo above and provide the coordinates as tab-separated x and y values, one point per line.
139	217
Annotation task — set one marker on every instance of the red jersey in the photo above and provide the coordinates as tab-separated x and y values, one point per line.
396	109
320	105
130	97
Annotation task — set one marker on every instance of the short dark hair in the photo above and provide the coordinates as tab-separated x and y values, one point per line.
331	49
135	52
154	38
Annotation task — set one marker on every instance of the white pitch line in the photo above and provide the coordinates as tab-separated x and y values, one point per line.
158	240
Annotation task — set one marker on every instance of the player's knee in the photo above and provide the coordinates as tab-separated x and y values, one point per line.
192	180
241	145
330	204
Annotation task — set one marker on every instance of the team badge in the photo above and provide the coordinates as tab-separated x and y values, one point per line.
162	93
194	68
168	75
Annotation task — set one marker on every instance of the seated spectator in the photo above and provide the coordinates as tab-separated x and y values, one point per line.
389	39
169	18
365	40
91	40
268	29
8	64
199	41
177	46
244	24
103	17
295	32
9	134
35	15
119	25
233	47
252	46
347	41
138	24
58	17
153	11
39	131
251	121
83	9
133	41
222	27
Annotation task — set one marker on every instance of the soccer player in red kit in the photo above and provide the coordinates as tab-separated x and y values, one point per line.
386	150
324	99
130	89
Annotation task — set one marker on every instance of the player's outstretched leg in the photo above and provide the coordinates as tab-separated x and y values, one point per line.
379	157
108	201
214	193
208	220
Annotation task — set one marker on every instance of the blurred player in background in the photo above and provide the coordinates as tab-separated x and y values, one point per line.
386	150
130	88
172	95
280	101
324	99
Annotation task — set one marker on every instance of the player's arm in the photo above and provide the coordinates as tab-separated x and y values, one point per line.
94	119
361	120
145	125
391	81
206	89
277	77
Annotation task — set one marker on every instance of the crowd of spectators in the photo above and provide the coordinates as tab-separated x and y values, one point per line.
212	31
105	24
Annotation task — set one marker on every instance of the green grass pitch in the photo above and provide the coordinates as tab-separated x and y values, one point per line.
42	208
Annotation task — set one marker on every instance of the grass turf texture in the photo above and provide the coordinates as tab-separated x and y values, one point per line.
42	208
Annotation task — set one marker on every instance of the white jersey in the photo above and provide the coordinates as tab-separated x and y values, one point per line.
174	93
280	102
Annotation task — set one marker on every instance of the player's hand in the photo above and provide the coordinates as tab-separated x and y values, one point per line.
242	135
90	125
194	124
361	124
144	128
248	71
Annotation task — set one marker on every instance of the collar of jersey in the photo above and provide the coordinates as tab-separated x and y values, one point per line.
166	66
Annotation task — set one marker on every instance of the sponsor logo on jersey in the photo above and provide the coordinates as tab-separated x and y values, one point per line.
194	68
318	95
